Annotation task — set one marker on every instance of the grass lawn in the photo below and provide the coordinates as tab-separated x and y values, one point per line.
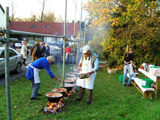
111	100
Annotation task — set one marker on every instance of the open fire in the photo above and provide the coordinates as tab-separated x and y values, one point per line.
56	107
53	107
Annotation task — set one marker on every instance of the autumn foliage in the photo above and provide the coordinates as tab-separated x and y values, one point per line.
125	22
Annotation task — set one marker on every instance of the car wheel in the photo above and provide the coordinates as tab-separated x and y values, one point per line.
18	68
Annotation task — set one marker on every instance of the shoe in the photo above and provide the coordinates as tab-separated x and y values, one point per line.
39	94
130	85
124	85
24	64
78	99
35	98
88	102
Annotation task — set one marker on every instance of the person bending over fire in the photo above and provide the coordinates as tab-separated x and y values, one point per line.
88	66
33	70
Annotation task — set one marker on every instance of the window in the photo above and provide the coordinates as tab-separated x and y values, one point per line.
2	55
47	26
33	26
12	53
43	26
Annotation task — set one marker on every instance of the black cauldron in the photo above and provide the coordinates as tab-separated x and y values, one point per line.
69	81
67	86
54	96
60	90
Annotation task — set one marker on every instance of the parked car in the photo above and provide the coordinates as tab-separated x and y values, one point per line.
56	53
15	60
18	44
30	44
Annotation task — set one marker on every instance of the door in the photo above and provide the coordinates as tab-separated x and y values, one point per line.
2	63
12	59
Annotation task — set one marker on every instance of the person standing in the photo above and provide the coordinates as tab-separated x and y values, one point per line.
24	53
12	45
42	49
128	66
88	65
67	52
32	74
47	51
35	51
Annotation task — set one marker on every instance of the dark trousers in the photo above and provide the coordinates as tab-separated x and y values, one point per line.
35	88
24	61
81	94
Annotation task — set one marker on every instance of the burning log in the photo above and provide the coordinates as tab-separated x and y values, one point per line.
53	107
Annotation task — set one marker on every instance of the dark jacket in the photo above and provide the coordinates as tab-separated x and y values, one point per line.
35	51
42	51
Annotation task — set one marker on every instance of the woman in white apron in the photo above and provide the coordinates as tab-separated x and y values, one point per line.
128	67
88	65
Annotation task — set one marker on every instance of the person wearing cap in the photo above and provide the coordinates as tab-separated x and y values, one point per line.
32	74
88	65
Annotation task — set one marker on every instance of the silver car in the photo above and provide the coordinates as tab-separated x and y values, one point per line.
56	53
15	60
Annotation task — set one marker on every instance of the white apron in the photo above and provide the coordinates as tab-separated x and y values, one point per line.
129	67
36	74
86	82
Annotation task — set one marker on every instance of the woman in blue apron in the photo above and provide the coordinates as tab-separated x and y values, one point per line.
33	70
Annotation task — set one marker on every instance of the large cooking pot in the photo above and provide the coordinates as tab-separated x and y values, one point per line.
60	90
75	73
69	81
54	96
71	78
70	75
67	86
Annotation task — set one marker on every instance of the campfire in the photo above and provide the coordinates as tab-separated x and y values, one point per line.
68	94
56	107
53	107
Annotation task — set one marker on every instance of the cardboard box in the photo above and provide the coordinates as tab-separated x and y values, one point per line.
111	70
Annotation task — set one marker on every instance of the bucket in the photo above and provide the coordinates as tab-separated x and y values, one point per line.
121	78
146	83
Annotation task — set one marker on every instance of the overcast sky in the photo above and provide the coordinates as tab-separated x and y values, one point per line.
24	8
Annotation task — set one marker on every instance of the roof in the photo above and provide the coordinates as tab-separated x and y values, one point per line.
45	27
2	8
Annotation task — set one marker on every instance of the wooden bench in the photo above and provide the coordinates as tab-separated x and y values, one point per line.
137	83
156	79
102	63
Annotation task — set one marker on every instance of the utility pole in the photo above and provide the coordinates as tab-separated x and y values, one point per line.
7	75
64	41
5	32
78	45
75	19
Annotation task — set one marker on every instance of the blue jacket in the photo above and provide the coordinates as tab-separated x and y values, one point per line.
41	63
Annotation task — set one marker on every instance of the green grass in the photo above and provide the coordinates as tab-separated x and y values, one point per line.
111	100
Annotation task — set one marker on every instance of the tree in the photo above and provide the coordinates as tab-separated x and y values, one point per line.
42	11
49	17
12	6
59	18
127	22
